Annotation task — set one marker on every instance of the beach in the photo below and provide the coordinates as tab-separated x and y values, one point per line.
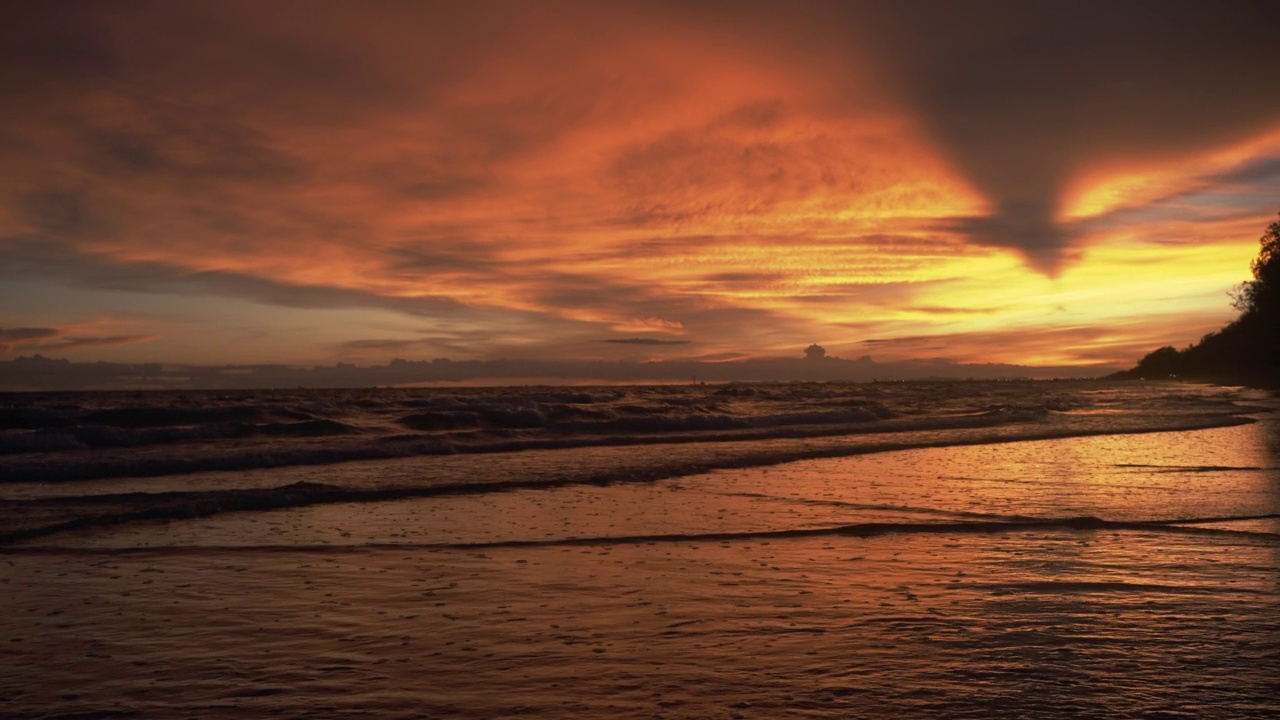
1090	550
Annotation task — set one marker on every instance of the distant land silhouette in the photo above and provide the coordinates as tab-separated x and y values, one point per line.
42	373
1246	350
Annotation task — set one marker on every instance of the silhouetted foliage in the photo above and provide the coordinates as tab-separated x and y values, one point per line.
815	352
1262	293
1159	363
1246	349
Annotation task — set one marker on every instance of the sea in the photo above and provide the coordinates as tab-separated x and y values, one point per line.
1021	549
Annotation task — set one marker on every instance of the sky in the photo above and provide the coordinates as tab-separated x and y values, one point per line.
1037	183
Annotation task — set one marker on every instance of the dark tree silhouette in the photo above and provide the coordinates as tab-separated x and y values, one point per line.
1247	349
1262	294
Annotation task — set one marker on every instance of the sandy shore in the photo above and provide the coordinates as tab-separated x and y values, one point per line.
371	610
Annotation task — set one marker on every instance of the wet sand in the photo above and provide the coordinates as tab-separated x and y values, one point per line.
378	609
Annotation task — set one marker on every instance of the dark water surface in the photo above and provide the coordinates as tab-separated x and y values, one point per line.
907	550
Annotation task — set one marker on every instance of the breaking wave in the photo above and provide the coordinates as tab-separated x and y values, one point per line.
67	441
86	436
1082	524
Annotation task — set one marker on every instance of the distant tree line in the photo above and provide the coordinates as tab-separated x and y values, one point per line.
41	373
1247	349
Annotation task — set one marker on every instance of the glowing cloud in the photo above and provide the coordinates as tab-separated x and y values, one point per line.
314	182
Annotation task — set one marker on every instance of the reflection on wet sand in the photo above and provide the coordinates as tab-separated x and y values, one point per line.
372	608
1029	624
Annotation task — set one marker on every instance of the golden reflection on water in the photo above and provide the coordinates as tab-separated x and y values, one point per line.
1224	472
1014	625
918	623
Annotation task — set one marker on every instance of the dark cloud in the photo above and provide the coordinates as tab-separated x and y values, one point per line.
645	341
45	339
903	339
462	256
1263	170
1231	195
33	258
1023	94
1028	228
446	175
560	172
575	290
173	143
462	343
59	213
382	344
72	342
26	333
42	43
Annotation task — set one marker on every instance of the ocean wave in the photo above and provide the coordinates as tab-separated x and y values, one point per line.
25	418
146	417
81	511
87	437
1081	524
1085	523
339	444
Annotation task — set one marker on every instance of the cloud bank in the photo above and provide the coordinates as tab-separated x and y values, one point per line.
498	178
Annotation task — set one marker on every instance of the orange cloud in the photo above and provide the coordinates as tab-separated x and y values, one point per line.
496	178
15	340
1111	188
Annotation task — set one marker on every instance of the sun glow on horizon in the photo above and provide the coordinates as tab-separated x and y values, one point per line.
361	184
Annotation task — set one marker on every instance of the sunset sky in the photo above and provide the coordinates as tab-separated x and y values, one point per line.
315	182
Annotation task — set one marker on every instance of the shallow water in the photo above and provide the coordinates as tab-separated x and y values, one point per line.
1023	625
947	581
63	437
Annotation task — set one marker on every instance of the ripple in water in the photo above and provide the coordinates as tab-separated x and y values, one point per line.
743	591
